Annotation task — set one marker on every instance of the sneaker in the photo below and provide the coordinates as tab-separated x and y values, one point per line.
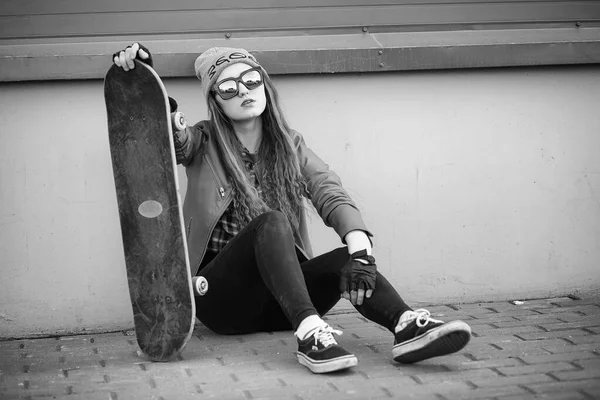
423	337
320	353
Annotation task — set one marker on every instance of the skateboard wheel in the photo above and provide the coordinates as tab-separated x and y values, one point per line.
178	121
200	285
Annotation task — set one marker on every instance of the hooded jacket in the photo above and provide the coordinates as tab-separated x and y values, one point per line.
209	192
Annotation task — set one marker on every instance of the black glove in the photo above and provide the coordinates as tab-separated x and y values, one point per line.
148	60
360	272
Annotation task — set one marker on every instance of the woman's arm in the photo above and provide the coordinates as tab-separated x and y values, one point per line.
188	142
331	200
358	240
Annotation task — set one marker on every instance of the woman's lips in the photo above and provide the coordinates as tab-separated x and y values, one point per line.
247	102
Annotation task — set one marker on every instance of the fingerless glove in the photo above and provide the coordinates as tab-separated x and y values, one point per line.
360	272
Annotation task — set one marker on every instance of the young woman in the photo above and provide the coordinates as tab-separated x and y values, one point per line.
247	176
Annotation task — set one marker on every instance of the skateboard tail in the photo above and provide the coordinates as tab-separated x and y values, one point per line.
150	210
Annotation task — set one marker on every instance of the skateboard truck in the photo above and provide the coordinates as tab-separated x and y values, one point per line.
200	285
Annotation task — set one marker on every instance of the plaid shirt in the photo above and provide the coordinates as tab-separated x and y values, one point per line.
227	226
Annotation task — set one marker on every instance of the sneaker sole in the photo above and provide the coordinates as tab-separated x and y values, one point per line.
446	339
321	367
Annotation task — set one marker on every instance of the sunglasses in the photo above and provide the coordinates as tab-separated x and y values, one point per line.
229	88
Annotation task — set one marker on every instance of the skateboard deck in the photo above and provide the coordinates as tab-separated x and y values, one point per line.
152	227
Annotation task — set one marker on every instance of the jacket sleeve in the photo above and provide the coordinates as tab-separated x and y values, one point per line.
189	142
324	189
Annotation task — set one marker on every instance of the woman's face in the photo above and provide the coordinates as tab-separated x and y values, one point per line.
248	104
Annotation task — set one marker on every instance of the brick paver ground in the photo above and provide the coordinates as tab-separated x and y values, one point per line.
542	349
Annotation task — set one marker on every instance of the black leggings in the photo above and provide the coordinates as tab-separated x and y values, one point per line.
256	283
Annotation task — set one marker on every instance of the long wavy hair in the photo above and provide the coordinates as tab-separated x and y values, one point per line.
280	175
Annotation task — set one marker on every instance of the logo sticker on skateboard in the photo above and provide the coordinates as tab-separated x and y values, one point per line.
150	209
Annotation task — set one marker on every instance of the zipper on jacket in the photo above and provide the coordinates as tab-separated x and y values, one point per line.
221	189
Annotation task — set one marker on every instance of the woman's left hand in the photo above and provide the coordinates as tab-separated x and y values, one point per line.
357	297
358	278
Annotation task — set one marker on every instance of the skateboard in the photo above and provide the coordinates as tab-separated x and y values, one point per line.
152	227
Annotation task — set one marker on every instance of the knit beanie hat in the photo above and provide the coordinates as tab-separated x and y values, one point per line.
213	61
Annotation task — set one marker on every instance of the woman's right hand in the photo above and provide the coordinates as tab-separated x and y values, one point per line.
124	58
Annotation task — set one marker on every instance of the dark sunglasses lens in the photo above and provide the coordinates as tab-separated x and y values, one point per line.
252	79
228	89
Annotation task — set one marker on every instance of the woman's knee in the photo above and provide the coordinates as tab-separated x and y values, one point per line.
274	220
339	258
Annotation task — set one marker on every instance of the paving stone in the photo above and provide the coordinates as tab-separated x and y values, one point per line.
568	302
487	393
531	344
593	392
572	317
462	364
588	324
504	350
577	374
584	339
527	305
431	366
475	309
488	344
451	376
496	320
99	395
491	318
537	368
593	363
554	334
573	348
511	380
529	321
546	396
399	376
565	316
581	355
507	331
361	390
450	389
563	386
39	387
586	309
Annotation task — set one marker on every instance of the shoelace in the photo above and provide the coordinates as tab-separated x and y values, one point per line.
422	316
425	316
324	334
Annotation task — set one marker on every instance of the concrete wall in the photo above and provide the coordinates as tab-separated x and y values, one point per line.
478	184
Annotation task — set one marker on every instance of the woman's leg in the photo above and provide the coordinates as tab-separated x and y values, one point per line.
322	275
417	336
255	282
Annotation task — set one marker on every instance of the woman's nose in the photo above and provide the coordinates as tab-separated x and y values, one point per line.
242	90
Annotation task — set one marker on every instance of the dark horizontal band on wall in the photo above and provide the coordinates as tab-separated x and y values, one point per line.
367	52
